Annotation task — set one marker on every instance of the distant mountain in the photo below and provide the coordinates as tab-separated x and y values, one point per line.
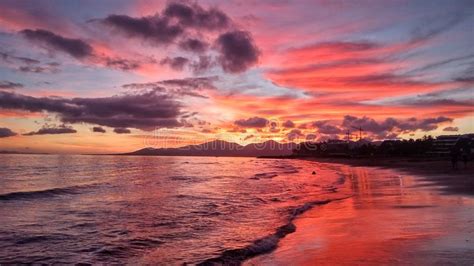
222	148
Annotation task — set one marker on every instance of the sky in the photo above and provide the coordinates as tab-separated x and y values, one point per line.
116	76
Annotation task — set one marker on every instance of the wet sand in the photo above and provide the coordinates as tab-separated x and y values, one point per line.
395	217
438	172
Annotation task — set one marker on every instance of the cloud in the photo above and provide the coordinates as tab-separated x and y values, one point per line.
155	29
120	63
254	122
27	65
161	29
176	63
145	110
311	136
294	134
193	45
446	97
98	130
288	124
121	130
6	132
194	16
451	129
248	137
8	85
237	51
46	130
189	26
435	25
178	87
18	59
324	127
191	83
46	68
74	47
390	125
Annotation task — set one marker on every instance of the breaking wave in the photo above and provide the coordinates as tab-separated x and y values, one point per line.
36	194
265	244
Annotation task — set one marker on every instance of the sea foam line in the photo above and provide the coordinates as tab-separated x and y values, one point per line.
267	243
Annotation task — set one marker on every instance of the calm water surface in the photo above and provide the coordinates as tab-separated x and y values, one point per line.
168	210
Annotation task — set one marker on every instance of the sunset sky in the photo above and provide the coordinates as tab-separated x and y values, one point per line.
116	76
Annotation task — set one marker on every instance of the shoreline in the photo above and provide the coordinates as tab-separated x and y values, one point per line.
402	212
438	172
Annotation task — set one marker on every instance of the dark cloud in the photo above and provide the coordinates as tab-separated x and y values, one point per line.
121	64
175	20
191	83
428	124
294	134
325	127
6	57
392	125
121	130
176	63
145	110
237	51
155	28
46	130
311	136
288	124
451	129
194	16
48	68
98	130
178	87
6	132
77	48
193	45
182	23
28	65
74	47
254	122
8	85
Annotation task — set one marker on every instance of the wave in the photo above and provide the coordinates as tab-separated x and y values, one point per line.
264	175
267	243
36	194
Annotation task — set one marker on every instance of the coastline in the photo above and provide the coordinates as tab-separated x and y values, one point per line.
402	212
438	172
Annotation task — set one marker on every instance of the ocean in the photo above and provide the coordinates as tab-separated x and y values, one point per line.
154	210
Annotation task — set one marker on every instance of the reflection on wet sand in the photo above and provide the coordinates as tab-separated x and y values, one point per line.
391	219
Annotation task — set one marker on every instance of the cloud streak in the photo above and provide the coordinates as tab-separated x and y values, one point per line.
76	48
145	110
6	132
46	130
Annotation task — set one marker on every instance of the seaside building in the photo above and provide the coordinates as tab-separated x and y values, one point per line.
443	144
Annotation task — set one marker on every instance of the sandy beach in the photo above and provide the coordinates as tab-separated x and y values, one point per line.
401	213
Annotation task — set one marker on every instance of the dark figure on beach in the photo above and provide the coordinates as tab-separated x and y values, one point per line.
454	157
